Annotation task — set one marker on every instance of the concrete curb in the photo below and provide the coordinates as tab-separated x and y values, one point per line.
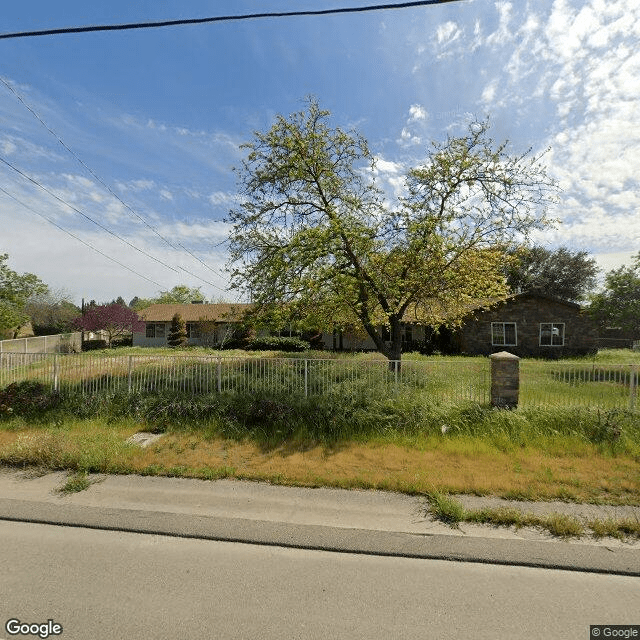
551	555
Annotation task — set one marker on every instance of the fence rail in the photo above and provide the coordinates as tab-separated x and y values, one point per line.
606	386
444	381
457	381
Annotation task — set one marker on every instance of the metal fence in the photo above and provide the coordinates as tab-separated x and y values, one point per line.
606	386
542	383
442	381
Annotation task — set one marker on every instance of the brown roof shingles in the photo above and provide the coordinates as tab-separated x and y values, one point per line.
223	312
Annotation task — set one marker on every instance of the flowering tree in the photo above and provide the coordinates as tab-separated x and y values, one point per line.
115	319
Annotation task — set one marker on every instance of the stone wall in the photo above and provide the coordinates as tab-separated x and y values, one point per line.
528	311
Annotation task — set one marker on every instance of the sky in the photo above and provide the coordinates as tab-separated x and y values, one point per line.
155	118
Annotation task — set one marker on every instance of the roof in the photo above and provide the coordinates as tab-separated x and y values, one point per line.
439	312
540	294
222	312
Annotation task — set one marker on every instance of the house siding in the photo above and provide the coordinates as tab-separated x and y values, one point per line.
528	312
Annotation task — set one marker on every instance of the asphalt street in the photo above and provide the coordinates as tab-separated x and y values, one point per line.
117	585
357	522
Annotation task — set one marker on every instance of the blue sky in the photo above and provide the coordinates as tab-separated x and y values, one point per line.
159	116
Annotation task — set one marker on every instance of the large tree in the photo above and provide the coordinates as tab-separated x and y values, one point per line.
315	234
15	290
618	305
51	312
561	272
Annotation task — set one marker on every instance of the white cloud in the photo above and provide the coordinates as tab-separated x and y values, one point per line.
503	33
218	198
447	33
8	147
166	194
388	167
417	112
489	92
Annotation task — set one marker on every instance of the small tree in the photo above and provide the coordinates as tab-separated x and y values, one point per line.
178	332
15	290
114	319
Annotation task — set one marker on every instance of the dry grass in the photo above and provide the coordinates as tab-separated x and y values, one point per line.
444	465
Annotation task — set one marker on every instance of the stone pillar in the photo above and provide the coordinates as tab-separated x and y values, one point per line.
505	380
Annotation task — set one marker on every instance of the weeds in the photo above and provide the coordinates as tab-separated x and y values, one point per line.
78	481
449	510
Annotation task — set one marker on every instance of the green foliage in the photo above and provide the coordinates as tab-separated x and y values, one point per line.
177	332
29	399
619	304
180	294
15	290
51	313
315	236
77	481
275	343
562	273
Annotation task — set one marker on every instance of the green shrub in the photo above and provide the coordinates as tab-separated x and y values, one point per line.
93	345
274	343
29	399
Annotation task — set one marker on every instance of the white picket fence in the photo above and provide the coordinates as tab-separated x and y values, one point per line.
542	384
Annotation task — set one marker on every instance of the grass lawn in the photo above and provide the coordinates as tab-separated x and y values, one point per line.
410	442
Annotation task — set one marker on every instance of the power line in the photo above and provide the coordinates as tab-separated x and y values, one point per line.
75	237
97	177
101	226
248	16
84	215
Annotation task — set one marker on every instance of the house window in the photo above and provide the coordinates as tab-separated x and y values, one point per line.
551	334
503	334
193	330
407	333
155	330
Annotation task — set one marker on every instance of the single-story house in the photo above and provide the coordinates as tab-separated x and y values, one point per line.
207	324
526	324
529	324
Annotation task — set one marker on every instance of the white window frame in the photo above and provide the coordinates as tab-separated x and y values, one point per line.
553	325
495	334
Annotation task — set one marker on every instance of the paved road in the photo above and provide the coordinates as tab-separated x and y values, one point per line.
370	522
107	585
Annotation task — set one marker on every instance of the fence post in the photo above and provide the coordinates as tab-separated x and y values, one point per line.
25	346
633	387
306	379
219	375
56	382
505	380
395	376
129	375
